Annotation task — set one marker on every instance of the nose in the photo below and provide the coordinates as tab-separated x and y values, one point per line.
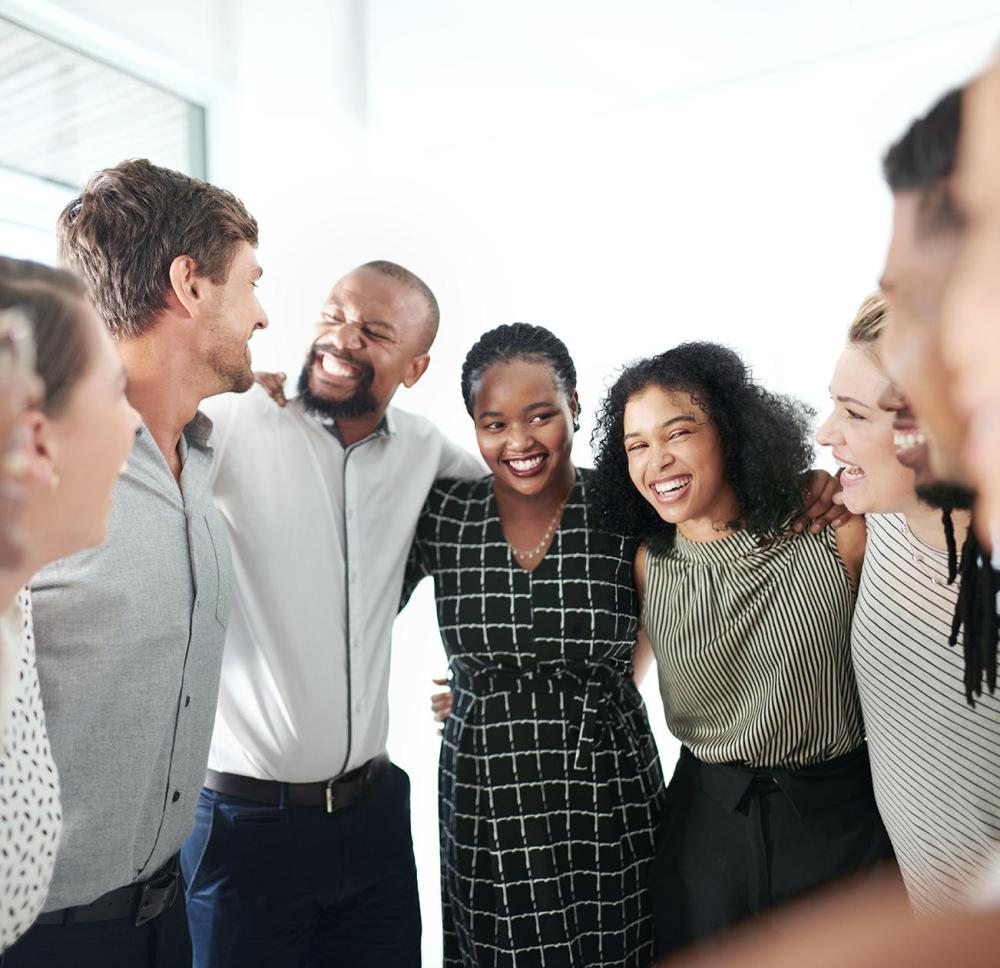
662	456
519	437
262	321
828	433
347	337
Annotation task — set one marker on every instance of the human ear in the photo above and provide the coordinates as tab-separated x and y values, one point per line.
416	369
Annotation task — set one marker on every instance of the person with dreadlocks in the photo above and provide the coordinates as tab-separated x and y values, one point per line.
926	234
928	747
750	626
971	311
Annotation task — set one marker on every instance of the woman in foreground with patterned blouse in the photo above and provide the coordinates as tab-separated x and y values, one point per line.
750	625
75	442
550	784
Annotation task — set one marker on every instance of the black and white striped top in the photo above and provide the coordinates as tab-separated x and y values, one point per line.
935	761
752	645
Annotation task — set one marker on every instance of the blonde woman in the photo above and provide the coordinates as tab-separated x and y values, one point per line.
935	759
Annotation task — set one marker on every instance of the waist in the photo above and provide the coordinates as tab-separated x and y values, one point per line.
335	793
811	788
553	679
140	902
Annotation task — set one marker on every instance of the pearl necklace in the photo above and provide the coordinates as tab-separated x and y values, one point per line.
549	531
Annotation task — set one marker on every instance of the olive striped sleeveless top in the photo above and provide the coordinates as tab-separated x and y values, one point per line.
752	647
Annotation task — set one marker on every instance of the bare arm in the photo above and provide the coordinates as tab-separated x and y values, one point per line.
869	926
852	538
642	658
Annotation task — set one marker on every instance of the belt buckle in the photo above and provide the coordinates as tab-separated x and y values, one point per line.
156	896
329	795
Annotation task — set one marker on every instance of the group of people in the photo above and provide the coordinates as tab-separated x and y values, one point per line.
200	577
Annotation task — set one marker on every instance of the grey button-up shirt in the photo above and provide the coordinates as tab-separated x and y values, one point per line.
129	638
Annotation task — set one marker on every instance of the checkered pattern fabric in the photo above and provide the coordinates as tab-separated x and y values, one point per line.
550	783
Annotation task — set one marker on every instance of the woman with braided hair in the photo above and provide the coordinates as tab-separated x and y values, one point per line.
750	625
550	784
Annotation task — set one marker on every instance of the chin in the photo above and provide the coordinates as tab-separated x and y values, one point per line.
241	382
859	504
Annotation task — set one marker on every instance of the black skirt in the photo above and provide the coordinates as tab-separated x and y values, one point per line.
736	841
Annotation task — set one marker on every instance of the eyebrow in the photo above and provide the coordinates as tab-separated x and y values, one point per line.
867	406
841	399
683	418
531	408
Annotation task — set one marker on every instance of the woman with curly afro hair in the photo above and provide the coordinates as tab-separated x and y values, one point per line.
749	621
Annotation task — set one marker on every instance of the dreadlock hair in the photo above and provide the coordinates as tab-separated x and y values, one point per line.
976	617
518	341
766	442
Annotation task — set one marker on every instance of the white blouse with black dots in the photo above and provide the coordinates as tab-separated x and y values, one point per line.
30	814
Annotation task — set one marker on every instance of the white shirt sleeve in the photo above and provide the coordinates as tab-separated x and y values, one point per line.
457	462
221	409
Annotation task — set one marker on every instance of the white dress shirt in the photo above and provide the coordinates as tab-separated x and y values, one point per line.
320	535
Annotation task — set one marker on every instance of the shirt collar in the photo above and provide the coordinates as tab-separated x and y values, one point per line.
199	430
386	427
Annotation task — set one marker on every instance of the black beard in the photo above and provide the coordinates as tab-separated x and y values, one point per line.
946	496
358	404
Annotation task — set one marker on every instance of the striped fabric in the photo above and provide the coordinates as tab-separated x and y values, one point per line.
935	761
753	648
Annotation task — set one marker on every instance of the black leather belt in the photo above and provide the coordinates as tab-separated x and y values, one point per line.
142	902
331	795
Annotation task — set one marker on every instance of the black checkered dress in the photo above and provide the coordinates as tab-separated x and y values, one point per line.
550	784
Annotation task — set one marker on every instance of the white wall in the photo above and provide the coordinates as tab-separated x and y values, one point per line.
630	175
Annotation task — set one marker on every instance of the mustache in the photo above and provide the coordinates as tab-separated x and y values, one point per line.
367	370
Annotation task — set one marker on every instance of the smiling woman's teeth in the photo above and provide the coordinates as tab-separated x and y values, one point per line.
526	465
852	470
666	487
904	441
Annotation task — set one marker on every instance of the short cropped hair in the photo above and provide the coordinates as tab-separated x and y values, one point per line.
129	224
412	281
923	159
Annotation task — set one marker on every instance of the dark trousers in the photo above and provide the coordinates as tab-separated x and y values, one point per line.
736	841
279	886
160	943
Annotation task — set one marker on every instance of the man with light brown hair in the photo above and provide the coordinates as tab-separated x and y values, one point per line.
130	635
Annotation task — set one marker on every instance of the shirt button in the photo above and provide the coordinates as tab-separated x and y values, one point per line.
176	796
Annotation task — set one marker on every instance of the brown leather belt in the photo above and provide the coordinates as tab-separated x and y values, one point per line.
331	795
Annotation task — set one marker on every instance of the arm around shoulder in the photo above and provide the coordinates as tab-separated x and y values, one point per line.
852	537
642	657
459	463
